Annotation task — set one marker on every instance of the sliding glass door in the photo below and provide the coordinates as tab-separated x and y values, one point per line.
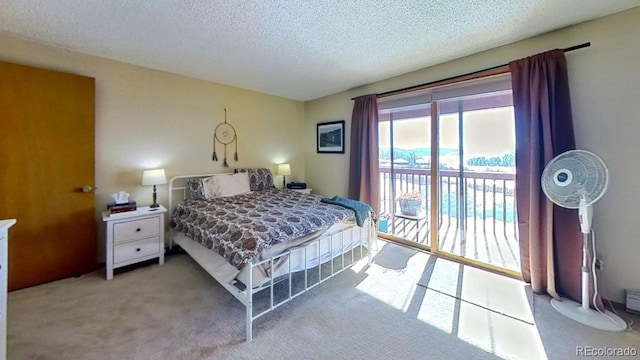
404	160
476	174
447	172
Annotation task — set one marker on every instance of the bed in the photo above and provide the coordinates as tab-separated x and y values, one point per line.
265	246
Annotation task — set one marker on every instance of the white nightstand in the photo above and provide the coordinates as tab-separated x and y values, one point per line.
304	191
134	236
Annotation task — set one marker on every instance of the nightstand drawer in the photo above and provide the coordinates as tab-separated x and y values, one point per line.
136	229
135	249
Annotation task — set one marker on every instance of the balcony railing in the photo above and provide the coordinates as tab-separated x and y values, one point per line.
476	220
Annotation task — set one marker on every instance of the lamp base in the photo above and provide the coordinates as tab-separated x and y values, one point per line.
155	204
590	317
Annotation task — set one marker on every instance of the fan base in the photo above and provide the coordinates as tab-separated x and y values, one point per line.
589	317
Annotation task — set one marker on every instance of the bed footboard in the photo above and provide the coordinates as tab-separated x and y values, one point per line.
347	246
350	244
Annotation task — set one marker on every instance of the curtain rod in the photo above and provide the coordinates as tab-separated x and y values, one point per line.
391	92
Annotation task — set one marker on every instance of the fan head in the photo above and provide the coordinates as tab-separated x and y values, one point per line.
575	178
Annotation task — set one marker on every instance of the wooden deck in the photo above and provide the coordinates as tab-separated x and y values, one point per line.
489	241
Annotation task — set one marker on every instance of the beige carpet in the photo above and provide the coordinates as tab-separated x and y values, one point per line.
407	305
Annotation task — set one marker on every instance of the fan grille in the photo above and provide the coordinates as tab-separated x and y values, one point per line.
575	175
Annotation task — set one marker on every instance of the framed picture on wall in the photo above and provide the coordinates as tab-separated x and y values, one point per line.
330	137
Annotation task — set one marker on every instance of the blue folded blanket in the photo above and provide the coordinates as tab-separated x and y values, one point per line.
361	209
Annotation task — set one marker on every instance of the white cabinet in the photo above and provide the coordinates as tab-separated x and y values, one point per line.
133	236
304	191
4	239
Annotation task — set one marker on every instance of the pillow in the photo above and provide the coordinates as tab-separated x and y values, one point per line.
259	179
226	185
196	189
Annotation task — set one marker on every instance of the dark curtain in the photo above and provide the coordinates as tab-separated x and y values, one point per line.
549	235
364	177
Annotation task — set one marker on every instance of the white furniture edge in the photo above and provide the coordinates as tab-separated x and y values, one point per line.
246	297
7	223
4	233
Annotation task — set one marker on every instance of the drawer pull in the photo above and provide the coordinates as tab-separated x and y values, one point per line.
138	249
138	229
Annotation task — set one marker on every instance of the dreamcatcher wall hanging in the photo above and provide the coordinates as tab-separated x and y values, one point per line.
225	134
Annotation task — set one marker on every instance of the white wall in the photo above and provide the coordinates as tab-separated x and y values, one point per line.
147	118
604	81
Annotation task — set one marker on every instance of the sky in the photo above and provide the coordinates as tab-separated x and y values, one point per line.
488	132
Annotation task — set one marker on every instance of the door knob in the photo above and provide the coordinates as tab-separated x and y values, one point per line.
87	188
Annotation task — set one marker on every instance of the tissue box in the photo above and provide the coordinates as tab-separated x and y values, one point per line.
118	208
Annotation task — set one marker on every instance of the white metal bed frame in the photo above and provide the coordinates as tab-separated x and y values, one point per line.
245	296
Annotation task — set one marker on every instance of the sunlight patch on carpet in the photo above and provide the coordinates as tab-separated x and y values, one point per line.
488	311
391	285
498	334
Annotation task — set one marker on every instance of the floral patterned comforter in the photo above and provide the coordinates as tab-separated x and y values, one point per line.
240	227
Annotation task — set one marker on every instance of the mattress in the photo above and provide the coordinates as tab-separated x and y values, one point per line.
241	227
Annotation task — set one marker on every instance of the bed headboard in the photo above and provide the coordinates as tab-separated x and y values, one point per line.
259	179
178	188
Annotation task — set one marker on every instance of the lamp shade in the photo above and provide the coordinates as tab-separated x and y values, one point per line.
284	169
153	177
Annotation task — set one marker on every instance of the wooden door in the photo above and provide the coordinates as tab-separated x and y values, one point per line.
46	158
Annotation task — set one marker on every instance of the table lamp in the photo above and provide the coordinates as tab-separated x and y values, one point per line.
284	170
154	177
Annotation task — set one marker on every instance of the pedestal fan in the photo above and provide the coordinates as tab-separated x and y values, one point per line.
575	180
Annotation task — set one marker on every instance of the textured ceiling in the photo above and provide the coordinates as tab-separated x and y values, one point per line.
291	48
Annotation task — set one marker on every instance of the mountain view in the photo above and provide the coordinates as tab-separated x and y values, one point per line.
449	158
